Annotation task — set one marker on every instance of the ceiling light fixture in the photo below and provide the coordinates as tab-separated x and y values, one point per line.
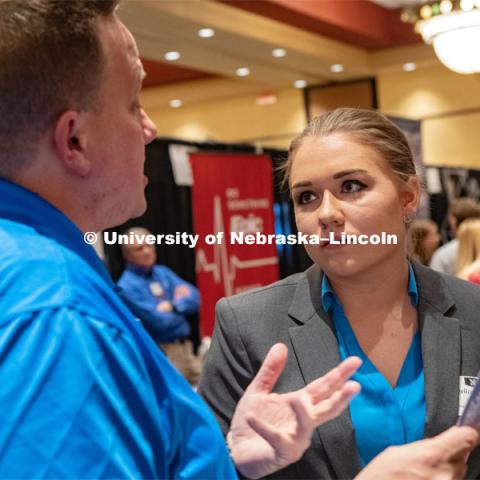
300	83
453	28
409	66
176	103
206	32
243	72
172	56
279	52
337	68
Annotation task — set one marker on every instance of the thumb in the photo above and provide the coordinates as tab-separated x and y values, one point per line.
271	369
456	442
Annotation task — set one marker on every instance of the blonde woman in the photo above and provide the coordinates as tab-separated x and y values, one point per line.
468	262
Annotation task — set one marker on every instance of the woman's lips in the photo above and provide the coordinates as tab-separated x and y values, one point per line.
327	238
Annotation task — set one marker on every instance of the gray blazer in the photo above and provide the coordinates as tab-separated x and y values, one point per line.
290	311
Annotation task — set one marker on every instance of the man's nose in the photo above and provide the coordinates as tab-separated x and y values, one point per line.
149	128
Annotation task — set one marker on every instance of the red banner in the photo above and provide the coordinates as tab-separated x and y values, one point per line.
232	212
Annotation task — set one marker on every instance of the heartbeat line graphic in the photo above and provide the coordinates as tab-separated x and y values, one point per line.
223	267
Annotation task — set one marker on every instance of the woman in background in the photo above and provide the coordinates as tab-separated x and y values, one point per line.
468	261
416	331
423	240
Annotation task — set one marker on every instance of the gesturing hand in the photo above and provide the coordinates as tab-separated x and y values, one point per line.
270	431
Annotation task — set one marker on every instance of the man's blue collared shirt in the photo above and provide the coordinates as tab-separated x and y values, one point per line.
381	415
85	392
137	289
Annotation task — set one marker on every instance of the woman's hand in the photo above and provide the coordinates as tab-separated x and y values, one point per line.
270	431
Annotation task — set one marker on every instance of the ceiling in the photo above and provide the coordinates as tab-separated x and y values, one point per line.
362	35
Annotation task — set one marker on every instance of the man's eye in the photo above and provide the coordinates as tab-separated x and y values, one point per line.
305	197
352	186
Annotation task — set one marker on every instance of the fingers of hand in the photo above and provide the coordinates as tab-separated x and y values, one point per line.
336	403
333	380
270	370
305	417
456	442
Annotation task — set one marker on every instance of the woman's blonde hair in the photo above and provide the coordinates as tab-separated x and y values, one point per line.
368	127
468	243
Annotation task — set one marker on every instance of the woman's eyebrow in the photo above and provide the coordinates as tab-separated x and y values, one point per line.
302	184
344	173
336	176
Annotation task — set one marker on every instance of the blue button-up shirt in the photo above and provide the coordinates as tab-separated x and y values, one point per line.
138	290
84	391
381	415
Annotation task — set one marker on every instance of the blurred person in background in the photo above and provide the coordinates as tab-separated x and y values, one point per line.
468	263
444	258
162	301
423	240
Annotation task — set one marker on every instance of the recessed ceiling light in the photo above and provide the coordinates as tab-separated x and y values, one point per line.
206	32
176	103
409	66
300	83
243	71
279	52
171	56
337	68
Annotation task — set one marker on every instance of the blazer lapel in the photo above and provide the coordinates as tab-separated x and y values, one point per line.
316	349
441	351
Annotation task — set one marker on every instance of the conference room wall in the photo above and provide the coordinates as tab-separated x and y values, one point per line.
235	118
448	105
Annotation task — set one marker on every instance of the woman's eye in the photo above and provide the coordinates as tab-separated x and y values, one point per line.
352	186
305	197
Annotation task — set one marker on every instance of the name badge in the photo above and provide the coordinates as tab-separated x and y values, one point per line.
467	384
156	289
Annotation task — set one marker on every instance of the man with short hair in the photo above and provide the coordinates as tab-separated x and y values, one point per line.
161	300
444	259
84	392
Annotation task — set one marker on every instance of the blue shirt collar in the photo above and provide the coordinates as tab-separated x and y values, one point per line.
24	206
328	295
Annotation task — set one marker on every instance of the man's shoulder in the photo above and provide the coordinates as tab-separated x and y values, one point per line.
38	272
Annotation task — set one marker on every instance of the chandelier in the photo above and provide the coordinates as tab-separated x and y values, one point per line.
453	27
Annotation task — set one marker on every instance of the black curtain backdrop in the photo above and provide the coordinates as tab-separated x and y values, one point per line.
170	210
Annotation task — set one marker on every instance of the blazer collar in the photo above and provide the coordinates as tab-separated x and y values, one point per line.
306	300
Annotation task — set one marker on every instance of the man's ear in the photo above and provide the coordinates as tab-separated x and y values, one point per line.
69	143
410	192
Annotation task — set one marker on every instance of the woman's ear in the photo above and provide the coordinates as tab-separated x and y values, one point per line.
69	143
410	192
